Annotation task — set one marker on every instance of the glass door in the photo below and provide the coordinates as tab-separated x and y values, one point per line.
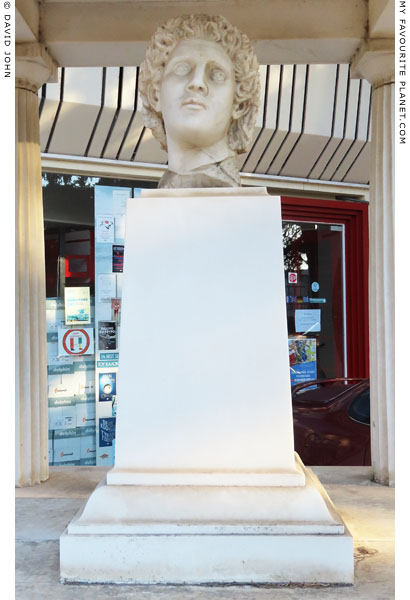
315	299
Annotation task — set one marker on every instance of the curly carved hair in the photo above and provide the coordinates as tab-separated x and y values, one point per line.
238	48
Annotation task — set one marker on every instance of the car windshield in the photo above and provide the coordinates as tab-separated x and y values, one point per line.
359	409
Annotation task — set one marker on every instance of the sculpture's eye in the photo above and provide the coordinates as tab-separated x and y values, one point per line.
217	75
182	68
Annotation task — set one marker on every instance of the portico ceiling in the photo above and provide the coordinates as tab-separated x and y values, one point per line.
115	32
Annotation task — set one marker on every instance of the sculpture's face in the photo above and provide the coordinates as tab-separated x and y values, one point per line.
196	93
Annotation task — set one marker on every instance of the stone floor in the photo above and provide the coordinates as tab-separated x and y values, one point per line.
43	512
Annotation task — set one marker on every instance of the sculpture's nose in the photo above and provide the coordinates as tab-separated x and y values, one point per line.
197	82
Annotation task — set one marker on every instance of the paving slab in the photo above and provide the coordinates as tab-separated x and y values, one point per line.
44	519
65	482
369	514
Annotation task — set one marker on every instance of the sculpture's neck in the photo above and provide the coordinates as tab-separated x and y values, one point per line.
183	158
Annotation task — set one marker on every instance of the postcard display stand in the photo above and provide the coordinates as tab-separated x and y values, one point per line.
71	398
206	486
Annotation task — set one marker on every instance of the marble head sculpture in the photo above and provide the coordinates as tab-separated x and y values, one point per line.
199	85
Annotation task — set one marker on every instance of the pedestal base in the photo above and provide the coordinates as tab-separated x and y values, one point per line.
194	559
194	535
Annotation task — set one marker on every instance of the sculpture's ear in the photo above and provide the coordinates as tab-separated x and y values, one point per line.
153	99
239	110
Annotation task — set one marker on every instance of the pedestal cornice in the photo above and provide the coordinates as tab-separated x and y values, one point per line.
374	61
34	66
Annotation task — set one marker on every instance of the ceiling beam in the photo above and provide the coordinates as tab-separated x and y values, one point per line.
27	21
381	18
115	33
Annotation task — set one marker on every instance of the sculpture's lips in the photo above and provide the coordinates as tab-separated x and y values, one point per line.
193	103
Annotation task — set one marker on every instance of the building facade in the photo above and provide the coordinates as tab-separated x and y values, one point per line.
323	142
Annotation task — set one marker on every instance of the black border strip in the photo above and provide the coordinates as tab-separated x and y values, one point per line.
265	107
302	129
137	145
332	130
344	126
356	131
104	77
117	110
277	118
132	115
43	98
292	98
367	135
60	103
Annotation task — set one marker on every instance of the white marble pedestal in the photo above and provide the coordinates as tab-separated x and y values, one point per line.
211	534
205	487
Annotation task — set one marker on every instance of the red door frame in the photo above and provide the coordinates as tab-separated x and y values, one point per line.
354	215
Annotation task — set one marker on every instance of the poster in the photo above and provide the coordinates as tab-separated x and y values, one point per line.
307	321
104	229
302	360
114	406
106	431
107	335
120	227
117	258
107	386
77	306
120	197
116	309
107	287
119	285
75	341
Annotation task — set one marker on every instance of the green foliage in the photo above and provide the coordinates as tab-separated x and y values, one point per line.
69	181
292	248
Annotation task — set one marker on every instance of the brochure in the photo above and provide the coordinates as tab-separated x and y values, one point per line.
104	229
106	431
77	305
107	386
107	335
117	258
302	360
116	309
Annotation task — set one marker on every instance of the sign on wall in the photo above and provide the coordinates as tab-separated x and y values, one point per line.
307	321
75	342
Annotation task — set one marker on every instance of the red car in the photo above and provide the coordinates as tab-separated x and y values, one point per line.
332	421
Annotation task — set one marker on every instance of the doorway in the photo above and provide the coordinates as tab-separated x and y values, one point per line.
326	278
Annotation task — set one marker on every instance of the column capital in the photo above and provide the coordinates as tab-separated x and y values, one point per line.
374	61
34	66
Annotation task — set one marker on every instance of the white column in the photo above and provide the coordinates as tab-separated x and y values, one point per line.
375	62
33	68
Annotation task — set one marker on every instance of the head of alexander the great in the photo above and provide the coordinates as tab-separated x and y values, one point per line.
199	85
